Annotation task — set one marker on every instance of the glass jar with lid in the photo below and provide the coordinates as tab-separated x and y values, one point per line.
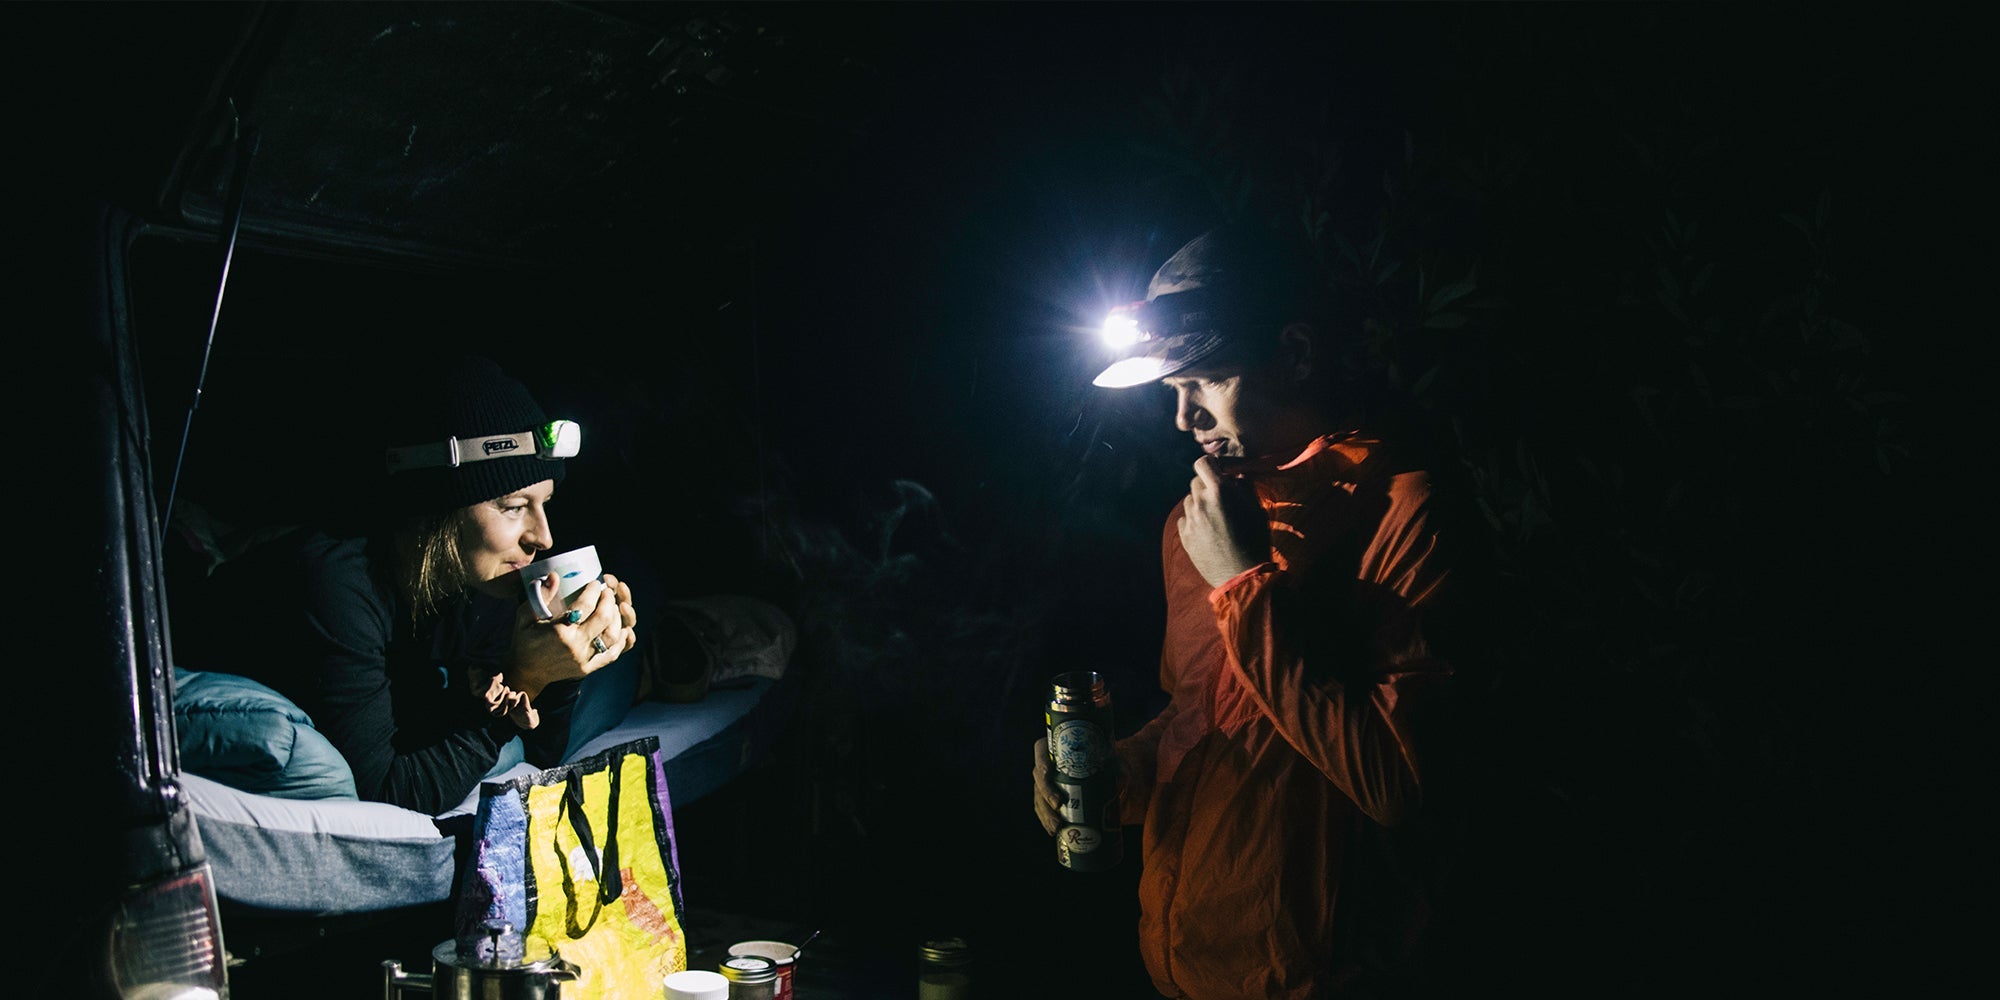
945	970
751	977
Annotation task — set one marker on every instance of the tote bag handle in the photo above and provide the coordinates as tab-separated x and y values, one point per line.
610	882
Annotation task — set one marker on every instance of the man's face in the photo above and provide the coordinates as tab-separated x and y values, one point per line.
504	535
1234	412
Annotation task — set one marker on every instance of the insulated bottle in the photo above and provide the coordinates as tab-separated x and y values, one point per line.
1080	734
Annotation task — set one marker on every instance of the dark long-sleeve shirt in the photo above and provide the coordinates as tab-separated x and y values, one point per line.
308	615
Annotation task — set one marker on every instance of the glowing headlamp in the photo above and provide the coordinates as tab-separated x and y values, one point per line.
554	440
1121	327
1168	333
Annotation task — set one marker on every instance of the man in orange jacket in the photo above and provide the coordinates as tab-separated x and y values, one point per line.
1288	847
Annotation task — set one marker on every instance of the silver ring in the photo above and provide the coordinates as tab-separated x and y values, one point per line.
597	643
572	616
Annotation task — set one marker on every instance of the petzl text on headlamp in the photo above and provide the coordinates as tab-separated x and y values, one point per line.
554	440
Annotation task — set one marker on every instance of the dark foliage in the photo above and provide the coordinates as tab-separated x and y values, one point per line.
1626	269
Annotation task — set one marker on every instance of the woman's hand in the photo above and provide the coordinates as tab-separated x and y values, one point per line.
598	625
628	616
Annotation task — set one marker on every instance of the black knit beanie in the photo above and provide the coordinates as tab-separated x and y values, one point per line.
466	397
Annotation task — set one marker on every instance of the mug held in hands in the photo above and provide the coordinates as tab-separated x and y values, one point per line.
573	569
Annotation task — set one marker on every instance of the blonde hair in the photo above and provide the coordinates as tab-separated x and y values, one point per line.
430	569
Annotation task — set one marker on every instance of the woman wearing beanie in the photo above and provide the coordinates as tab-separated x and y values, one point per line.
408	641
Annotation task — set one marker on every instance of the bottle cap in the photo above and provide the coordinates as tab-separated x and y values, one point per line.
1078	687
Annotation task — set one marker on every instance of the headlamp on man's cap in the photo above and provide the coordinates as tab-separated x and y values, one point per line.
554	440
1161	336
1226	286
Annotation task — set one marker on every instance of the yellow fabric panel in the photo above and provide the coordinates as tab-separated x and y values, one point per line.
635	942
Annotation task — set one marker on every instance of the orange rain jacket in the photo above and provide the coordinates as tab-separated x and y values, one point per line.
1271	785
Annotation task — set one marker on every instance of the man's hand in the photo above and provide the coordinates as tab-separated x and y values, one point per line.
1048	798
1223	527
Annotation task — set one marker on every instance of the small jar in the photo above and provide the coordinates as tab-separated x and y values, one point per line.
945	970
751	977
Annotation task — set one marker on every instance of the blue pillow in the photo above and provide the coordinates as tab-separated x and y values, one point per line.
245	735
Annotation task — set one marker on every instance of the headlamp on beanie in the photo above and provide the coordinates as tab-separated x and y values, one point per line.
554	440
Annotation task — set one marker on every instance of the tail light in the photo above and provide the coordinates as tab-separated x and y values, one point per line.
166	943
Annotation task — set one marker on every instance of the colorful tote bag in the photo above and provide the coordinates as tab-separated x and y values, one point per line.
582	858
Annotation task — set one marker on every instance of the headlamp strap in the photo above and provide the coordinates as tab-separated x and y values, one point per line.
451	453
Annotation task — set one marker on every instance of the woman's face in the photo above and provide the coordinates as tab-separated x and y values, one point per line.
504	535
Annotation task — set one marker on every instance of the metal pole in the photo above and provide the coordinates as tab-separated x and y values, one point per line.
233	217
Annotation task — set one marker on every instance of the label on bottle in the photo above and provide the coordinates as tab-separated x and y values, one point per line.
1079	839
1080	747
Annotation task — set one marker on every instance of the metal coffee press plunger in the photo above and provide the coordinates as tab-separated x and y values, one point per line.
500	965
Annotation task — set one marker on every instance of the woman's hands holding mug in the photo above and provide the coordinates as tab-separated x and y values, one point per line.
598	626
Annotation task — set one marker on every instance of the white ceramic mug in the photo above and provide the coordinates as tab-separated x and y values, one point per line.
573	569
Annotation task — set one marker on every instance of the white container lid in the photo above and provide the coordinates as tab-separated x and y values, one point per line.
697	984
